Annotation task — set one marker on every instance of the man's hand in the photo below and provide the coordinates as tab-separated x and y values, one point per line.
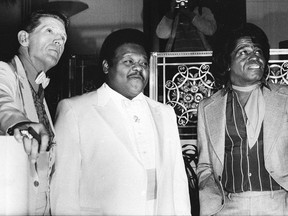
31	146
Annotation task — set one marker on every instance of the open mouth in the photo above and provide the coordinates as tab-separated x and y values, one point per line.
255	66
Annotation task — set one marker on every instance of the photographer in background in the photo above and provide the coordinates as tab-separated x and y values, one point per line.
186	25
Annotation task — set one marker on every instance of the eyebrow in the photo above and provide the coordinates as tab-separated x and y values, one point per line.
129	54
243	46
53	27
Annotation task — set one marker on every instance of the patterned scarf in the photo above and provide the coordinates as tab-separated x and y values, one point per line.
255	110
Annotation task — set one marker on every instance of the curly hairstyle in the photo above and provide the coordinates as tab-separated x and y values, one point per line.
221	59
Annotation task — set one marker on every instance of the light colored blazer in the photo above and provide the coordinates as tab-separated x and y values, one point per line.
211	141
97	170
17	105
16	101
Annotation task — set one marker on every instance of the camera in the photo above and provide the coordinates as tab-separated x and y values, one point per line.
181	3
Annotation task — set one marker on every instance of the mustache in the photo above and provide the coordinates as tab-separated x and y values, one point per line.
137	73
256	62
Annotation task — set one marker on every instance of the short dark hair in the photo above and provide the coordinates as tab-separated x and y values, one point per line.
222	56
118	38
33	20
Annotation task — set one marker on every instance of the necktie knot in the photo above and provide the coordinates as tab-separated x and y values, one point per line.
42	79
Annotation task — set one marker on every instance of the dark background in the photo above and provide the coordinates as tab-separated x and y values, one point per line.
67	77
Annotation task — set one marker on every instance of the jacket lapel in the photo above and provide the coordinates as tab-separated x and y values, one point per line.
114	118
216	116
25	91
215	119
158	121
160	147
274	109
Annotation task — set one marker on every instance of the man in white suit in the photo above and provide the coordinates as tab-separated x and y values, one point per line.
118	151
242	133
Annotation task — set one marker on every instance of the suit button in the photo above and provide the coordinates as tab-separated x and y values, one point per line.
36	183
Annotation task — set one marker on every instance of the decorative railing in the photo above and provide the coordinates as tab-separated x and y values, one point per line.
183	79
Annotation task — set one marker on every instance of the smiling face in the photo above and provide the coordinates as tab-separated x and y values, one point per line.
247	63
46	43
130	70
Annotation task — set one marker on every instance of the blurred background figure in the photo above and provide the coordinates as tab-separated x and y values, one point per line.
187	26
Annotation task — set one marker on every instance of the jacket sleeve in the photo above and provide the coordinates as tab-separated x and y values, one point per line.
164	28
11	105
204	167
205	22
181	198
65	182
210	196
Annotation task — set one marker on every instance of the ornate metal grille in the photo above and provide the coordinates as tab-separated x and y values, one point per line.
183	79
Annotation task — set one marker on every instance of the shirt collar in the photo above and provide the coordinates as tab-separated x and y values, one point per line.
228	87
30	70
119	98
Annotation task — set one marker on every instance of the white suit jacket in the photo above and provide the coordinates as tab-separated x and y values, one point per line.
211	142
17	105
97	171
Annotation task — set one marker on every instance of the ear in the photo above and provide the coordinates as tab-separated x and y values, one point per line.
105	66
23	38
